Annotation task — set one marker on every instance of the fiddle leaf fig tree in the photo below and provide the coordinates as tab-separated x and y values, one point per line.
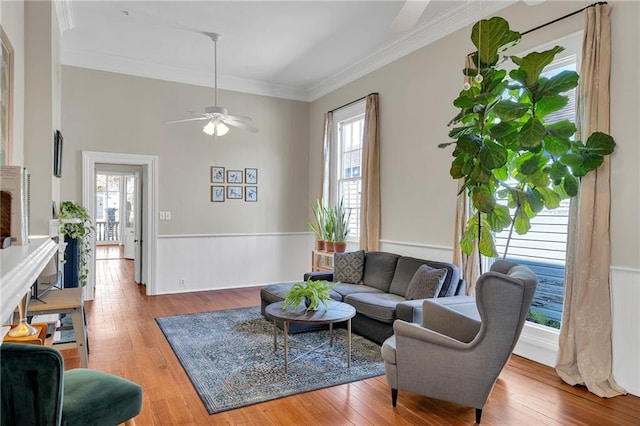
505	148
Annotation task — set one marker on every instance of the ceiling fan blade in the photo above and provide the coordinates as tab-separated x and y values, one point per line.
409	15
239	124
242	118
187	119
198	113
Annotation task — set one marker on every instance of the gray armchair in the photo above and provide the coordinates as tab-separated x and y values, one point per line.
463	343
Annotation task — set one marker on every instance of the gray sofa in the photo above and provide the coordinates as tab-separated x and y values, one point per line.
379	298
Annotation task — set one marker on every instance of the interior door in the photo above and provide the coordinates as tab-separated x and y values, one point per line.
132	225
137	220
128	220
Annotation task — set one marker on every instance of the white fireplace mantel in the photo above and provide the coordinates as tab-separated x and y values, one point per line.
20	266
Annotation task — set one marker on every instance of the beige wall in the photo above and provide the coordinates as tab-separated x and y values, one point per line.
42	106
416	94
111	112
12	20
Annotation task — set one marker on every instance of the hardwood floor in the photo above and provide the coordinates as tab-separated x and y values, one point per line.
125	340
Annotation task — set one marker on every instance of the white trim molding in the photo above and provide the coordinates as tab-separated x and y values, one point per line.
150	231
422	251
65	14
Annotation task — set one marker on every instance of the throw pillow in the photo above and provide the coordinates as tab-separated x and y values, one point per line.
348	267
426	283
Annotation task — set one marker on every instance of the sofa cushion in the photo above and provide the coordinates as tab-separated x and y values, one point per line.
378	306
345	289
406	269
426	283
348	267
379	268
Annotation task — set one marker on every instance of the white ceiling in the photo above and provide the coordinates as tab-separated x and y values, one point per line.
291	49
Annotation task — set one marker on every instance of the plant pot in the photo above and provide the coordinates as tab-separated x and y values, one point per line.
330	246
322	245
340	247
307	302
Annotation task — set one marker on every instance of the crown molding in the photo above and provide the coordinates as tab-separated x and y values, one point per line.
437	28
125	65
66	17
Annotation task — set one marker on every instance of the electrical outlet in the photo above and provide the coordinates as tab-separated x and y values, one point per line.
182	283
163	216
167	215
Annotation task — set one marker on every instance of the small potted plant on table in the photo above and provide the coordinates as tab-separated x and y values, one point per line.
313	293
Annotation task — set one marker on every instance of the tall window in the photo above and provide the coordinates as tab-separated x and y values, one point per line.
543	248
346	162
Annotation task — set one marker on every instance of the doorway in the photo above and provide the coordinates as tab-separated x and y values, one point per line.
92	162
118	212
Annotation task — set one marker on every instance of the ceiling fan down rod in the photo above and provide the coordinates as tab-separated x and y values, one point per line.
215	37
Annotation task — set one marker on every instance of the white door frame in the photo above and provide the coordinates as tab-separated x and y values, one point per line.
150	178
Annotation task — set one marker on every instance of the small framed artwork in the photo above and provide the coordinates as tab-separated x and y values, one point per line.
234	176
217	174
251	193
234	192
217	194
251	176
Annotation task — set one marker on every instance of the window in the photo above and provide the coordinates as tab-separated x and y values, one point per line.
346	162
543	248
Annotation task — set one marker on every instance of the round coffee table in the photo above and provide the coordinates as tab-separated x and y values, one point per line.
335	312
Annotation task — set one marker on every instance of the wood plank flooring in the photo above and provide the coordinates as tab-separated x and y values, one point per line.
125	340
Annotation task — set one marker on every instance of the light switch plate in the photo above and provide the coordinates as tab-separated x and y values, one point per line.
163	216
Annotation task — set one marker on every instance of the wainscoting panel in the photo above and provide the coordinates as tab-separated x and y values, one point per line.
189	263
625	299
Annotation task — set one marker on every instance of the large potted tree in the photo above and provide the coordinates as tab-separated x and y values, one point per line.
504	148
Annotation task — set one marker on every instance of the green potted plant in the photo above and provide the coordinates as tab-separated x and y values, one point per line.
501	137
313	293
341	217
76	226
319	226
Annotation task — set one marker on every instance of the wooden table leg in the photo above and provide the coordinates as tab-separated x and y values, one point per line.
80	331
331	334
349	343
275	335
286	347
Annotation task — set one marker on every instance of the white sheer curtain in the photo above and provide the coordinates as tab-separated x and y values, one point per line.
370	194
585	337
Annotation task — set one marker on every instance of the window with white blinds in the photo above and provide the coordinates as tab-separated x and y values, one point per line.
544	247
546	241
346	176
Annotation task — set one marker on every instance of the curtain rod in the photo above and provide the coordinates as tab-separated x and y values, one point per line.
353	102
557	19
563	17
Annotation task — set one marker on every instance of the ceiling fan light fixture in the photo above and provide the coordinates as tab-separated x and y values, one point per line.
214	128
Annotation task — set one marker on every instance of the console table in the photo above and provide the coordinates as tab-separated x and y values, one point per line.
65	301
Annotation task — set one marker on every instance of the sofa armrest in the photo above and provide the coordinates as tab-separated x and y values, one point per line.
319	276
462	288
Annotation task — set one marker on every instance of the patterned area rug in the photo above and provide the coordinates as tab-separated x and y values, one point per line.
229	357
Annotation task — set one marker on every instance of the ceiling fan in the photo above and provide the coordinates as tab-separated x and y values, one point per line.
408	16
217	116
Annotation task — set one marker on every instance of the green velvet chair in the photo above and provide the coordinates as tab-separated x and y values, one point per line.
35	390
